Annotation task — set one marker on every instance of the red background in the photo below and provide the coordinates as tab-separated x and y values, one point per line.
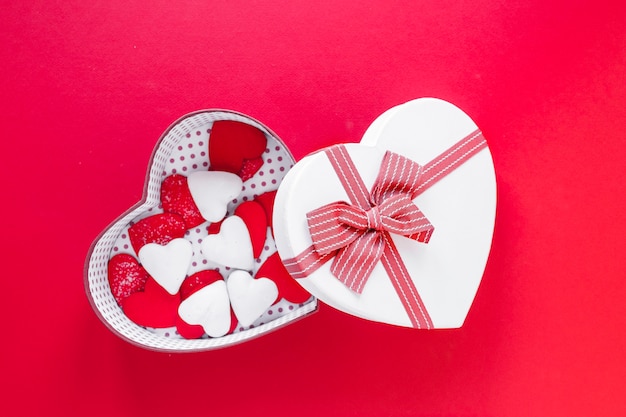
88	87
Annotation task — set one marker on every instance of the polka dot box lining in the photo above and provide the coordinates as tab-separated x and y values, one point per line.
184	149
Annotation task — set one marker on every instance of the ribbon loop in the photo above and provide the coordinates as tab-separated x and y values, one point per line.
398	175
335	226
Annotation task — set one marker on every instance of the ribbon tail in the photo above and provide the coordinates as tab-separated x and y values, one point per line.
354	264
404	286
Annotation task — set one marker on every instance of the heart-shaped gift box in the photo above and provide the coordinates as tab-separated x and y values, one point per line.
183	152
427	154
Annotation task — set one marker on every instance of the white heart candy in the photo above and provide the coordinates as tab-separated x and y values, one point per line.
232	246
212	191
447	271
250	297
209	307
167	264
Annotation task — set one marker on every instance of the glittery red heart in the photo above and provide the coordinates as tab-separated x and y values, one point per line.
177	199
160	228
126	276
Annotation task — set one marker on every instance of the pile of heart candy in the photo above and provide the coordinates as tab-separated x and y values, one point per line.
204	261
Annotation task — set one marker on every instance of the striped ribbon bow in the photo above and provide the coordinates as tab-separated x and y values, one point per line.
359	232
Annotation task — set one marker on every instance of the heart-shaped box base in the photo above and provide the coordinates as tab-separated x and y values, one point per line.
182	149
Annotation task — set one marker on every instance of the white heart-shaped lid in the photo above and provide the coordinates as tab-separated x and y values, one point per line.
447	271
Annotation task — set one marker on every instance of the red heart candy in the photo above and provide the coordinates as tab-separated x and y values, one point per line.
126	276
154	307
267	201
176	198
253	215
249	168
160	228
230	143
288	288
190	285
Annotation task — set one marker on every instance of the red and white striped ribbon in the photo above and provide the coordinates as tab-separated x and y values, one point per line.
357	234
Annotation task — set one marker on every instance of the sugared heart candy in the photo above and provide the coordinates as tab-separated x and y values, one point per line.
160	228
126	276
176	198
